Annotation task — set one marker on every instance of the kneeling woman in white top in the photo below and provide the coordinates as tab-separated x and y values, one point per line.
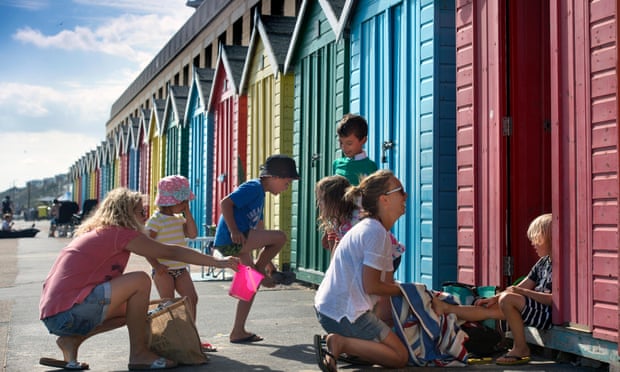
360	273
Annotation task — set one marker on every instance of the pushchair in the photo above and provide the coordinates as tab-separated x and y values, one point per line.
87	208
64	222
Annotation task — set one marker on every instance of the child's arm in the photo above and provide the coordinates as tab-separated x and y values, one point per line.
227	206
189	228
526	288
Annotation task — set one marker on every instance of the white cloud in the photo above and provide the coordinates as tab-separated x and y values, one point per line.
27	100
133	37
72	107
146	6
36	156
26	4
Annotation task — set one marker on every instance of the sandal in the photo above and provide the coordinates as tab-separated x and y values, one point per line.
512	360
321	356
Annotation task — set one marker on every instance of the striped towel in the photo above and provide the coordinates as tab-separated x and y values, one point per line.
430	339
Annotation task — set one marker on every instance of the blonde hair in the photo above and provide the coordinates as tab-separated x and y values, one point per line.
539	230
117	209
370	190
335	208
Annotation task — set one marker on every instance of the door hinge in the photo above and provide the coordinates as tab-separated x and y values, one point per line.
315	159
507	126
387	145
508	266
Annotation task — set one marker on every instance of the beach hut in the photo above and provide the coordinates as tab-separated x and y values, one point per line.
93	173
537	132
122	154
321	68
403	82
133	153
230	124
200	172
144	152
115	159
157	149
79	184
270	95
108	163
176	134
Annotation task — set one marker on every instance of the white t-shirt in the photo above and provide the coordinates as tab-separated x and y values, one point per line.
341	293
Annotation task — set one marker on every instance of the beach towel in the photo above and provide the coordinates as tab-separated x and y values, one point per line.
431	340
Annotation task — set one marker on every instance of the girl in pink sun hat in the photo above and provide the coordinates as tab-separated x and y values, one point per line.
171	223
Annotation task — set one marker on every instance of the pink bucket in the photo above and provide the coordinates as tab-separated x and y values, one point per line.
245	283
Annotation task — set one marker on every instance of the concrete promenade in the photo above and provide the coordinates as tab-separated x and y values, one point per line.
284	316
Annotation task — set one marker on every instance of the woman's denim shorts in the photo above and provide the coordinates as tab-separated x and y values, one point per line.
367	327
82	318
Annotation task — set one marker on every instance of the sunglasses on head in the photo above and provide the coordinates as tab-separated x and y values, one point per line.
399	188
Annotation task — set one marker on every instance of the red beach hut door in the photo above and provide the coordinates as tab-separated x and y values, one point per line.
526	130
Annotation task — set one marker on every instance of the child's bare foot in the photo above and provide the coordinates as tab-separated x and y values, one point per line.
439	307
268	282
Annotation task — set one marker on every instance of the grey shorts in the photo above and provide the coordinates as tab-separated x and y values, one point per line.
367	327
83	317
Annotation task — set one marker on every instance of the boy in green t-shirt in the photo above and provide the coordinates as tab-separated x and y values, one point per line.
352	135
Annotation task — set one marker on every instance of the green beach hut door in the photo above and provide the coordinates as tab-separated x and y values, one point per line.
316	129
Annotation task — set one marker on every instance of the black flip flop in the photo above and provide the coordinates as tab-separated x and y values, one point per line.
321	353
246	340
349	359
62	364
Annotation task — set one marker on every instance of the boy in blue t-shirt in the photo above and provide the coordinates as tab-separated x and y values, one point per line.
240	230
352	135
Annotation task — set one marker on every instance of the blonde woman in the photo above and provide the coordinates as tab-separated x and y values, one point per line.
88	292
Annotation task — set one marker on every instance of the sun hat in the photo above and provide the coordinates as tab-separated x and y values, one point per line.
279	166
173	190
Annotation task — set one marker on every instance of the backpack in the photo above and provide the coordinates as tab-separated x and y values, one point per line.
483	341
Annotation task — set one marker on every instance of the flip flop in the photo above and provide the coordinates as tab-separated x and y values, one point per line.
57	363
160	363
479	360
321	355
246	340
346	358
512	360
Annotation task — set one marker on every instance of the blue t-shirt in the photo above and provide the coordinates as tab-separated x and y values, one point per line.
249	200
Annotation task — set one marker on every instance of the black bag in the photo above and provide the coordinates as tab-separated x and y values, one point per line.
483	341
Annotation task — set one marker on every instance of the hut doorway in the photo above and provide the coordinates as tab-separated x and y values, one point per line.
526	128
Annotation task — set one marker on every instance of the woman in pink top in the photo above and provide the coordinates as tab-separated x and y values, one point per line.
87	292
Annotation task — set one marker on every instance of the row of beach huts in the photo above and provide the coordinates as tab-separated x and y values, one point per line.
490	112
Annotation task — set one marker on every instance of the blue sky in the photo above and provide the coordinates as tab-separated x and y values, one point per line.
62	65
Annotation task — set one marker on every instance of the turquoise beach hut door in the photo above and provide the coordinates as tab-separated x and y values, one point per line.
403	82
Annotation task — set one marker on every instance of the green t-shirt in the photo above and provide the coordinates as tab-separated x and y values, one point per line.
353	169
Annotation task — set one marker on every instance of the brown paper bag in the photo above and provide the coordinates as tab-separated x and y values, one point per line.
173	333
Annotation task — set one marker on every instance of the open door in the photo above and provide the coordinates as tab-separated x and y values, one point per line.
526	129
